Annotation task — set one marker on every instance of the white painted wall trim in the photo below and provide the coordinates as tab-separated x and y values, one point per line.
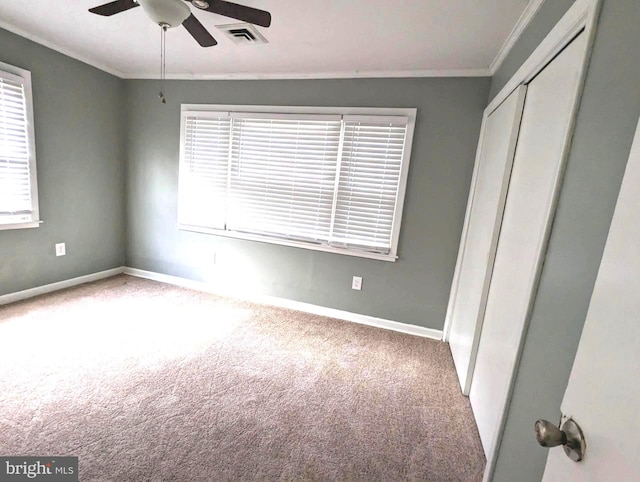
289	304
347	74
210	288
60	285
579	16
527	15
523	22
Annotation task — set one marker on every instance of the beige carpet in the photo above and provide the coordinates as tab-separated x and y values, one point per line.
146	381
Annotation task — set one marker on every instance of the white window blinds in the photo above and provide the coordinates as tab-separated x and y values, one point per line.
283	171
204	171
15	161
325	181
370	171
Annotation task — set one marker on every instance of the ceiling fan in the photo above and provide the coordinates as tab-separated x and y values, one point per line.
171	13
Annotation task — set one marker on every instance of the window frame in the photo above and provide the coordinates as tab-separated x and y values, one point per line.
24	76
409	113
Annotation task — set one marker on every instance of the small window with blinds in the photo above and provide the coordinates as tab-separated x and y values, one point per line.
18	190
321	178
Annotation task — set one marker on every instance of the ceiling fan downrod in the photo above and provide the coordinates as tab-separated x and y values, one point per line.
163	60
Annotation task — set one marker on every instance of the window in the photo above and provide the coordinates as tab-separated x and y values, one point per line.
18	190
321	178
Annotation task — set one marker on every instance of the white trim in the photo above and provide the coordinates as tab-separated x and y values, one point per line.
30	224
523	22
62	50
583	14
347	74
32	219
286	303
223	110
287	242
210	288
296	109
573	21
60	285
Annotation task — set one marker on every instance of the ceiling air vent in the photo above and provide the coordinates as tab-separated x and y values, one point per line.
243	33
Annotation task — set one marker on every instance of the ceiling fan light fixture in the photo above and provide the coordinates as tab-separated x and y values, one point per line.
166	12
201	4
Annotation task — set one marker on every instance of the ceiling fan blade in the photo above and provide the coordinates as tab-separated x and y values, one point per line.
240	12
112	8
198	32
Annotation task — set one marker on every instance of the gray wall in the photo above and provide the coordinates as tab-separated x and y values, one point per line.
605	126
78	114
415	289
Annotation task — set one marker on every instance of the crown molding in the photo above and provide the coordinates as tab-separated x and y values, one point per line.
527	15
355	74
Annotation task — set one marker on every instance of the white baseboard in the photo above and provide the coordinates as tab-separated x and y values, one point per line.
60	285
290	304
210	288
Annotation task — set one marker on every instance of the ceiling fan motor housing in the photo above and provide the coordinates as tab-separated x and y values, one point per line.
169	13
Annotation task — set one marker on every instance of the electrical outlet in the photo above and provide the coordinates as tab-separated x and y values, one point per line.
61	249
356	284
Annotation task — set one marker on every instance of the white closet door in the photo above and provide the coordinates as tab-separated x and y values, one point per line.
480	236
533	187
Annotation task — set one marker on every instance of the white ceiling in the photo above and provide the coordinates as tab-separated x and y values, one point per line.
307	38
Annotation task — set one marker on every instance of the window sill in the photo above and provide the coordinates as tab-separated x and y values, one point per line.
27	225
285	242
